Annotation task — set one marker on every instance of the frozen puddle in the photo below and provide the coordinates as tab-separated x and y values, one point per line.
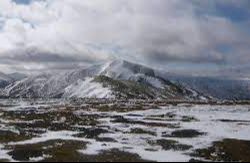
66	132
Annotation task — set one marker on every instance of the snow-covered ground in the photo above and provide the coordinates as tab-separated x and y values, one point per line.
139	132
209	121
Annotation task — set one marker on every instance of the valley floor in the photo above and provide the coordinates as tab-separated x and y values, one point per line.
139	131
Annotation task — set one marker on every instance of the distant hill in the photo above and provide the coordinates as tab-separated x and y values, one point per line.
6	79
229	89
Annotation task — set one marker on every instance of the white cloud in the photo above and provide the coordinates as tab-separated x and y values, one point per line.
90	30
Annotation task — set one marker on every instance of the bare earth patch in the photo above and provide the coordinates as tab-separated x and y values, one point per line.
120	131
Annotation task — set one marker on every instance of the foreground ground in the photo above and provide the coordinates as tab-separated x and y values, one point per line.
135	131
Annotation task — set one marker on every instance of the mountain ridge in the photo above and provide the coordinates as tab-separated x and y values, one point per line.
114	79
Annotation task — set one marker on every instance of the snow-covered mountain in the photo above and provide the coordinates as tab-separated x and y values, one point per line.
6	79
115	79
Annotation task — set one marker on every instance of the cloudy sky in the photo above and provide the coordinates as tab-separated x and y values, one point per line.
208	37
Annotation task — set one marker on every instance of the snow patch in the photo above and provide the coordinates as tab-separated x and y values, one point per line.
87	89
4	154
50	135
37	159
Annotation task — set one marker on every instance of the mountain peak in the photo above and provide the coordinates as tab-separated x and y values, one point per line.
122	62
122	69
117	61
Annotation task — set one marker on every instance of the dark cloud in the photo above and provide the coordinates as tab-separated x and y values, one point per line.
34	55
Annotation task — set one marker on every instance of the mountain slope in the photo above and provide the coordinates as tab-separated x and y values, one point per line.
131	89
87	89
115	79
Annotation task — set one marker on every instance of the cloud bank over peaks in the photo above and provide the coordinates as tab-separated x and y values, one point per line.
58	33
